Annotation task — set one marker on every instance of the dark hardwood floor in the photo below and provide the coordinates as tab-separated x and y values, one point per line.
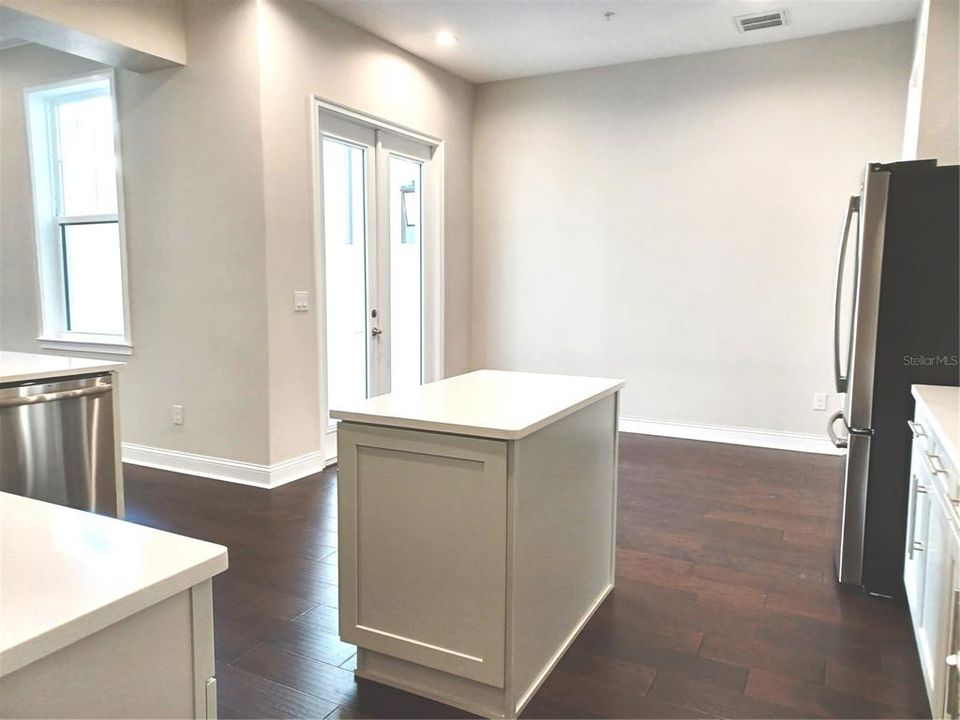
725	604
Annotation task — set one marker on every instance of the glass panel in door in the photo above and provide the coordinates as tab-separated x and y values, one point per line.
406	272
345	251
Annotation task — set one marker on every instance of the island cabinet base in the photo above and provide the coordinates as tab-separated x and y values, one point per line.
469	564
157	663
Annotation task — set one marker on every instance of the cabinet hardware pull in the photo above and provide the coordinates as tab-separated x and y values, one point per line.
912	517
916	428
934	463
913	545
55	396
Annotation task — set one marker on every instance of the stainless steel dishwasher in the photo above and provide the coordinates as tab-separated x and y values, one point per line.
57	442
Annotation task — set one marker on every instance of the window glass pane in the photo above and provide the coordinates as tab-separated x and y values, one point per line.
91	266
86	156
345	234
406	251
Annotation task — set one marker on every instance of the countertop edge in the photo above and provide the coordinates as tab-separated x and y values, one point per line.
38	647
474	430
107	367
949	442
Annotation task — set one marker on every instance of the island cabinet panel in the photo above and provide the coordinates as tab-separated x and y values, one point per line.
423	567
563	483
154	664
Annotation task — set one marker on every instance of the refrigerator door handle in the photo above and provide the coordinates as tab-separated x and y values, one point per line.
853	207
838	442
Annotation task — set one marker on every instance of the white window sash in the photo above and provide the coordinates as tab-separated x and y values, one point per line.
41	103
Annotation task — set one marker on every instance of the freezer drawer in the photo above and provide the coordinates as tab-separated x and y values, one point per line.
57	442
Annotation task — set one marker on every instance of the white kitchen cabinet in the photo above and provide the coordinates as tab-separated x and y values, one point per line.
103	618
477	531
932	562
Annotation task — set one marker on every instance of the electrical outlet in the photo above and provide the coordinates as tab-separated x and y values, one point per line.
819	401
178	414
301	301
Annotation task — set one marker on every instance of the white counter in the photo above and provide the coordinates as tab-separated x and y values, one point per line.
484	403
25	367
67	574
942	406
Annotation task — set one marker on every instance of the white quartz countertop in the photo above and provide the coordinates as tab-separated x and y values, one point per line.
942	404
67	574
24	367
484	403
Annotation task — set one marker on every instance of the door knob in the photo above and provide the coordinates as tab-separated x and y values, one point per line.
376	331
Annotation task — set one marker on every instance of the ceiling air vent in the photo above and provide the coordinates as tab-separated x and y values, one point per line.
759	21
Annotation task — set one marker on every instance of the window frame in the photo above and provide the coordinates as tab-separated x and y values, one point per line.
40	102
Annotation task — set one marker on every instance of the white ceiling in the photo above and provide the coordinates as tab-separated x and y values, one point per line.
500	39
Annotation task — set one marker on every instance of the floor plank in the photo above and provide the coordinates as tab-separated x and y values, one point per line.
725	604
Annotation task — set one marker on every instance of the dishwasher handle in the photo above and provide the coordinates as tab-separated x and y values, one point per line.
55	396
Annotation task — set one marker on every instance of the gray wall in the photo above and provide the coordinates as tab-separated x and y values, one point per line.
933	113
219	227
306	51
194	220
674	222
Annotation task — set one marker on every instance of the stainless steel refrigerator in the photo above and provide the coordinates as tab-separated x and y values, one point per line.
896	323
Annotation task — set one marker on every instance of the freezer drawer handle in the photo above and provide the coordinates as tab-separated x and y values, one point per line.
839	442
55	396
916	428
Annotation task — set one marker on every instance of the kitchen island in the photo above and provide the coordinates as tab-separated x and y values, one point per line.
103	618
477	531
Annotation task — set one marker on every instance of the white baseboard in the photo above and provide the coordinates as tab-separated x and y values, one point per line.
266	476
271	476
797	442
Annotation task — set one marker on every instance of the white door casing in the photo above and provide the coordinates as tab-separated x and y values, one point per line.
380	140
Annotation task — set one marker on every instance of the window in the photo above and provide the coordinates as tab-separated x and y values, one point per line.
77	202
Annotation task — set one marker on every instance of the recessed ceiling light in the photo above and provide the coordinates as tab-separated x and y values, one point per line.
445	38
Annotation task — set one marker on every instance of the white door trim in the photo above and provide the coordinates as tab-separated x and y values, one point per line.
433	239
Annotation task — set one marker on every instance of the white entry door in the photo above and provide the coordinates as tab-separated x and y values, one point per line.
377	213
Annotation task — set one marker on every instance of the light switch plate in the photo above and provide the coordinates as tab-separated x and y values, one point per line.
819	401
301	301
